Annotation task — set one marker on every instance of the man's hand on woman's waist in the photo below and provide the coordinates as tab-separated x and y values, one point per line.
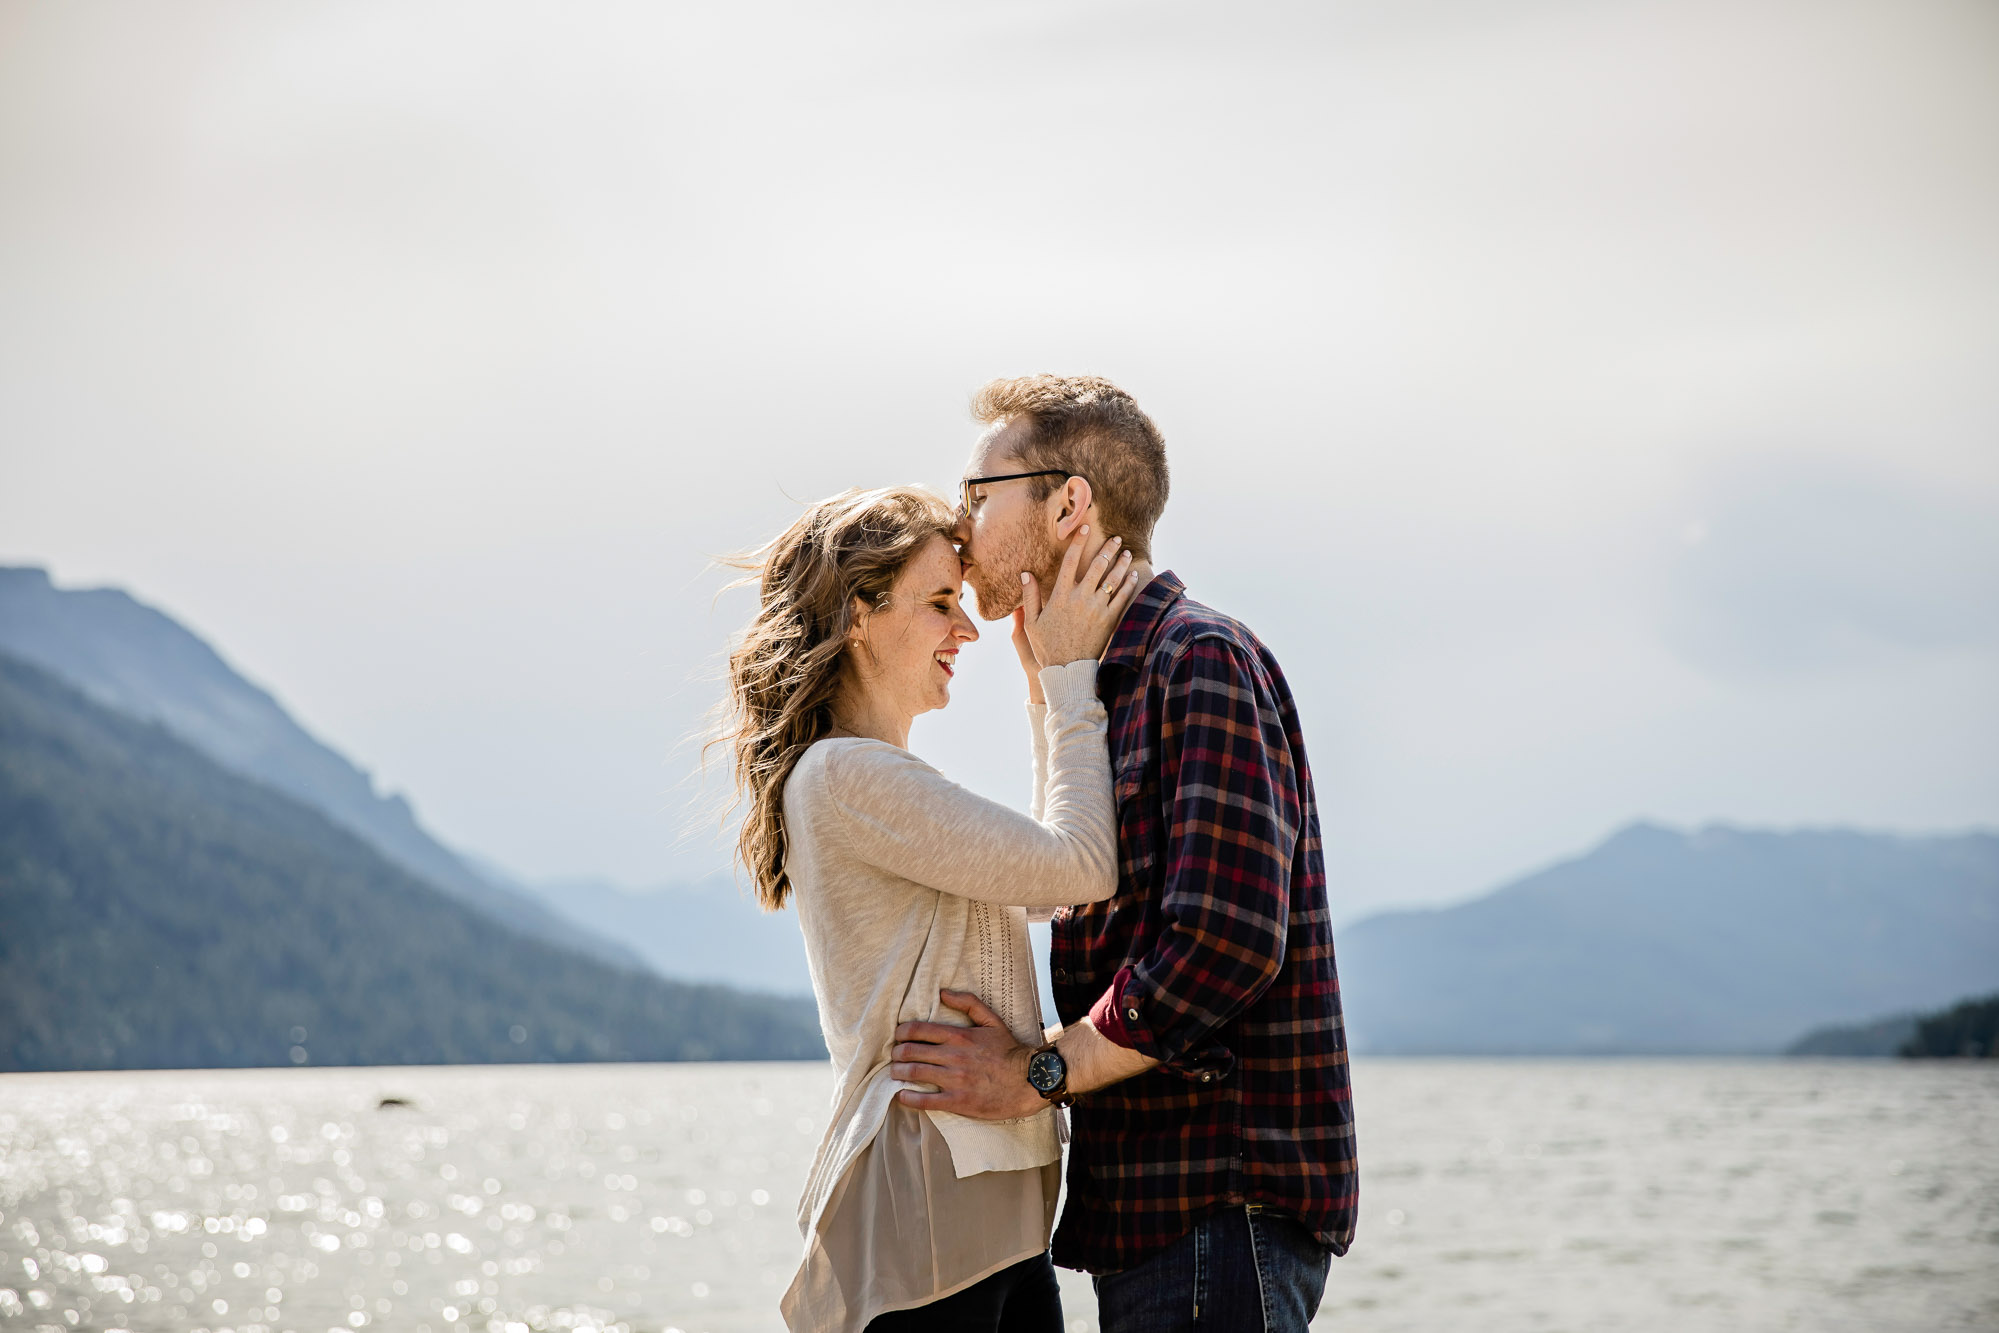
981	1071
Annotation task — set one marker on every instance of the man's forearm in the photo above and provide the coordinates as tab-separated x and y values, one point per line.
981	1070
1095	1061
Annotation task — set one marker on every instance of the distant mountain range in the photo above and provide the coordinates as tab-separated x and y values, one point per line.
1723	941
1658	941
159	911
710	930
1662	941
469	945
132	658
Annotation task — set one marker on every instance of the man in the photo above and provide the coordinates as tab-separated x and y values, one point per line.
1212	1170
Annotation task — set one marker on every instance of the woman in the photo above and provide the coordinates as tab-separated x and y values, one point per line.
907	884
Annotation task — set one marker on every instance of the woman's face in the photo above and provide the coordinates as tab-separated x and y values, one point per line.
911	645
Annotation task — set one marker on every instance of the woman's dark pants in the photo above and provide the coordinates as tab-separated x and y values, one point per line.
1020	1299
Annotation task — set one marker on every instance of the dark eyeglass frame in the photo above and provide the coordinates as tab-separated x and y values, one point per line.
965	486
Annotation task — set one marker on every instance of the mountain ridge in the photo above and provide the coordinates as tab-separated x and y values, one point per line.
1720	940
706	929
158	910
138	660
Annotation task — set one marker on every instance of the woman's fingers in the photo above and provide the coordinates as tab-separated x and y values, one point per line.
1021	617
1127	590
1023	647
1114	580
1072	559
1096	555
1100	568
1097	582
1098	552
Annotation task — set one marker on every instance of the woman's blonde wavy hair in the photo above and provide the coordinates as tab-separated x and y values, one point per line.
785	673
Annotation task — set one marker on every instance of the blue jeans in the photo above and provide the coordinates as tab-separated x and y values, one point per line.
1242	1270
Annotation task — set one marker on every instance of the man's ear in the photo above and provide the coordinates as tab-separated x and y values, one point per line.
1075	505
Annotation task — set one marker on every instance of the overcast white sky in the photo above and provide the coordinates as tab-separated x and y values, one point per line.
1594	405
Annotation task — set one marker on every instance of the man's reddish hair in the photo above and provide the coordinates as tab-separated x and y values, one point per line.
1088	427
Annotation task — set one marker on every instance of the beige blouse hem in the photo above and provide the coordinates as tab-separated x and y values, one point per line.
874	1252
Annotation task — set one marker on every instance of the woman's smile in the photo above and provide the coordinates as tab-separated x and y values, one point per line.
947	658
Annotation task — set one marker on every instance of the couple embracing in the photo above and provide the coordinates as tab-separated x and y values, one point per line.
1173	842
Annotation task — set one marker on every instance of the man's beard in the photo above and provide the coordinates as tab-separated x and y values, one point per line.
996	582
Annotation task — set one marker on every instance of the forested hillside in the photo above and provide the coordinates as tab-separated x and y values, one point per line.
157	910
147	665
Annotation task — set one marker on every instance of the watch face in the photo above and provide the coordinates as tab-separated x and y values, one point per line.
1046	1070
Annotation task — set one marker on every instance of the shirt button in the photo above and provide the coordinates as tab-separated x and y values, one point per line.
1059	976
1132	1014
1207	1078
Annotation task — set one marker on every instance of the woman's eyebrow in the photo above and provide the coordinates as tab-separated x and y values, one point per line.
945	592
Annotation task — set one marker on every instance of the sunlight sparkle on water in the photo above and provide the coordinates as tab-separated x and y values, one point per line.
1497	1195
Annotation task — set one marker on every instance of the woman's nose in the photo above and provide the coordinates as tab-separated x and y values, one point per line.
965	629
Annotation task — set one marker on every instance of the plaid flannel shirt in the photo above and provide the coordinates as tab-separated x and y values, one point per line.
1215	957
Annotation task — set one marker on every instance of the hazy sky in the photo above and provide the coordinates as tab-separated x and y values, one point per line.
1595	406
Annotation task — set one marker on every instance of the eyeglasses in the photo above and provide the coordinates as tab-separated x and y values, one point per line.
965	487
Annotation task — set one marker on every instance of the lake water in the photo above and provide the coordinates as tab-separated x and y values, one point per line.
1501	1195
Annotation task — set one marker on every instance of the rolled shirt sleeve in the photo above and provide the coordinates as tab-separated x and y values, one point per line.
1230	794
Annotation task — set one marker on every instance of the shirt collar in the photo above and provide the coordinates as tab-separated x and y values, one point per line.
1134	633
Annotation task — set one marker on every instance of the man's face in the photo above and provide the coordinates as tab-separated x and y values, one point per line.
1007	530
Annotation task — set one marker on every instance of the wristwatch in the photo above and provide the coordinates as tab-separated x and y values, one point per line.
1048	1074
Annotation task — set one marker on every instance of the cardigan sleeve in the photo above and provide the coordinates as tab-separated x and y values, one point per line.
1037	731
900	814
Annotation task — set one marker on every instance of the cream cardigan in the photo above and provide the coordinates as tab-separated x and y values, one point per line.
906	884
